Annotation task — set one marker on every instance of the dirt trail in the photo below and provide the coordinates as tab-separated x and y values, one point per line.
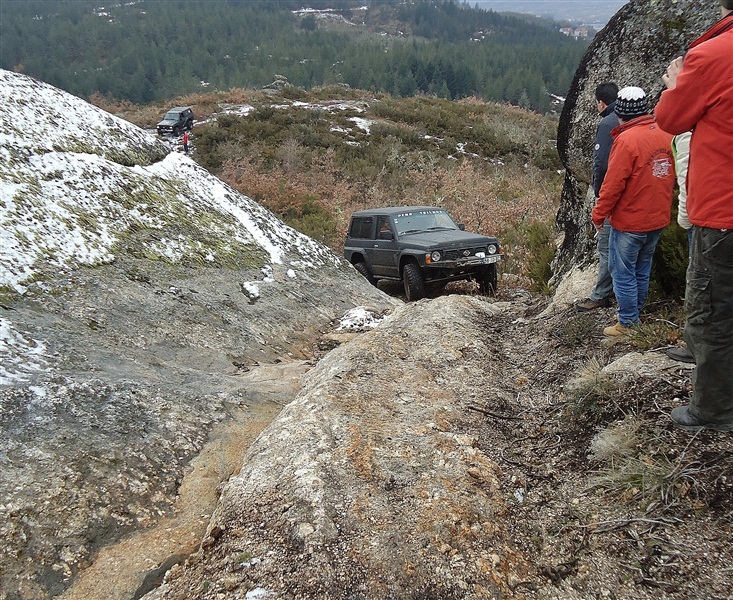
119	570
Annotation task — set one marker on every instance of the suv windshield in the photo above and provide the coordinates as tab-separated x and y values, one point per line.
423	220
171	116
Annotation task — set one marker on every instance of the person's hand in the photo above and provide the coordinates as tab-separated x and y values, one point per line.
670	77
598	226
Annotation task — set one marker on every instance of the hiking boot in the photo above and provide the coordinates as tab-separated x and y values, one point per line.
684	419
681	354
589	304
616	330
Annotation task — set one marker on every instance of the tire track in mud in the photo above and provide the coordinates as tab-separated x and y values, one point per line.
120	570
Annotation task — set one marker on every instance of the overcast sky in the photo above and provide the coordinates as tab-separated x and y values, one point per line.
588	11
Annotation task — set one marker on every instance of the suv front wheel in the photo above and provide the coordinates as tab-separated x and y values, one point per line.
414	282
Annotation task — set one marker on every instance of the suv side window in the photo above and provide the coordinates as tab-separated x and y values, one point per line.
361	227
384	231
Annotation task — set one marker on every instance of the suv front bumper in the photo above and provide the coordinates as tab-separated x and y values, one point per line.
461	263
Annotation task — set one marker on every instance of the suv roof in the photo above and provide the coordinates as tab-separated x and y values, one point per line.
392	210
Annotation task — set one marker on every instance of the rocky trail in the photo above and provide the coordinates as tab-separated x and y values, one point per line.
576	525
468	447
611	499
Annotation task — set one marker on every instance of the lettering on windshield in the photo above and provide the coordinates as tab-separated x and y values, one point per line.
420	212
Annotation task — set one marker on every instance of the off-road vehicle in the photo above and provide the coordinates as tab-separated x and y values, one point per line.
420	246
176	120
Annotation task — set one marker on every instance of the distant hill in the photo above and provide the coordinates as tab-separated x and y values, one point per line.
152	50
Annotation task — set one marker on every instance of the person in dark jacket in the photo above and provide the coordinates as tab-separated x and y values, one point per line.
606	93
699	97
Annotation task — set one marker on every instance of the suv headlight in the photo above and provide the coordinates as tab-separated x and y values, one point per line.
493	248
435	256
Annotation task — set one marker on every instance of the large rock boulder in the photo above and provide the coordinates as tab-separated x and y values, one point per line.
633	49
136	290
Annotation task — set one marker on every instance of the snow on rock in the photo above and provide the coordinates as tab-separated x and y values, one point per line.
76	181
20	353
358	318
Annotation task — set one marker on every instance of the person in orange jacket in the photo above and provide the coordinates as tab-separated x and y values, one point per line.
699	97
636	197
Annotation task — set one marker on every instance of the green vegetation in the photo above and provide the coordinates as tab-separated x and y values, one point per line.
578	329
537	240
151	50
669	268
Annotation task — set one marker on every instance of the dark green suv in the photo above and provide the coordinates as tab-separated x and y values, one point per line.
176	120
419	245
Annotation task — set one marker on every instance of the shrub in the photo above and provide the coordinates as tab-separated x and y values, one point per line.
639	467
578	330
532	246
594	395
312	219
661	325
669	267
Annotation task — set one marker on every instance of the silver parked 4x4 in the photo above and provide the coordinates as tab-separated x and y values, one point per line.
176	120
419	245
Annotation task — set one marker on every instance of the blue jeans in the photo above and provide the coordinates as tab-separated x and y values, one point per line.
604	284
630	262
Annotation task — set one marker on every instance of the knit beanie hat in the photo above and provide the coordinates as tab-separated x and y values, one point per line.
631	103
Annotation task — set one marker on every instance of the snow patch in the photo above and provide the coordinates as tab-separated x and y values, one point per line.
357	319
19	355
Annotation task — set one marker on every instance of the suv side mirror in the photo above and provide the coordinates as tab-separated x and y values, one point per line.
461	226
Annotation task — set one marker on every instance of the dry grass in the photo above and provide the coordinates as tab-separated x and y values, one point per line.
638	466
617	442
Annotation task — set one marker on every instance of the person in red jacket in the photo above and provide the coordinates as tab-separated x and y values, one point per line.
636	197
699	96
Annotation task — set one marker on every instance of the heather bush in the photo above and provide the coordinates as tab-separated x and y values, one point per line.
529	249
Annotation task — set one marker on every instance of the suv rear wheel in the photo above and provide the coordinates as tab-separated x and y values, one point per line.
364	270
414	282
